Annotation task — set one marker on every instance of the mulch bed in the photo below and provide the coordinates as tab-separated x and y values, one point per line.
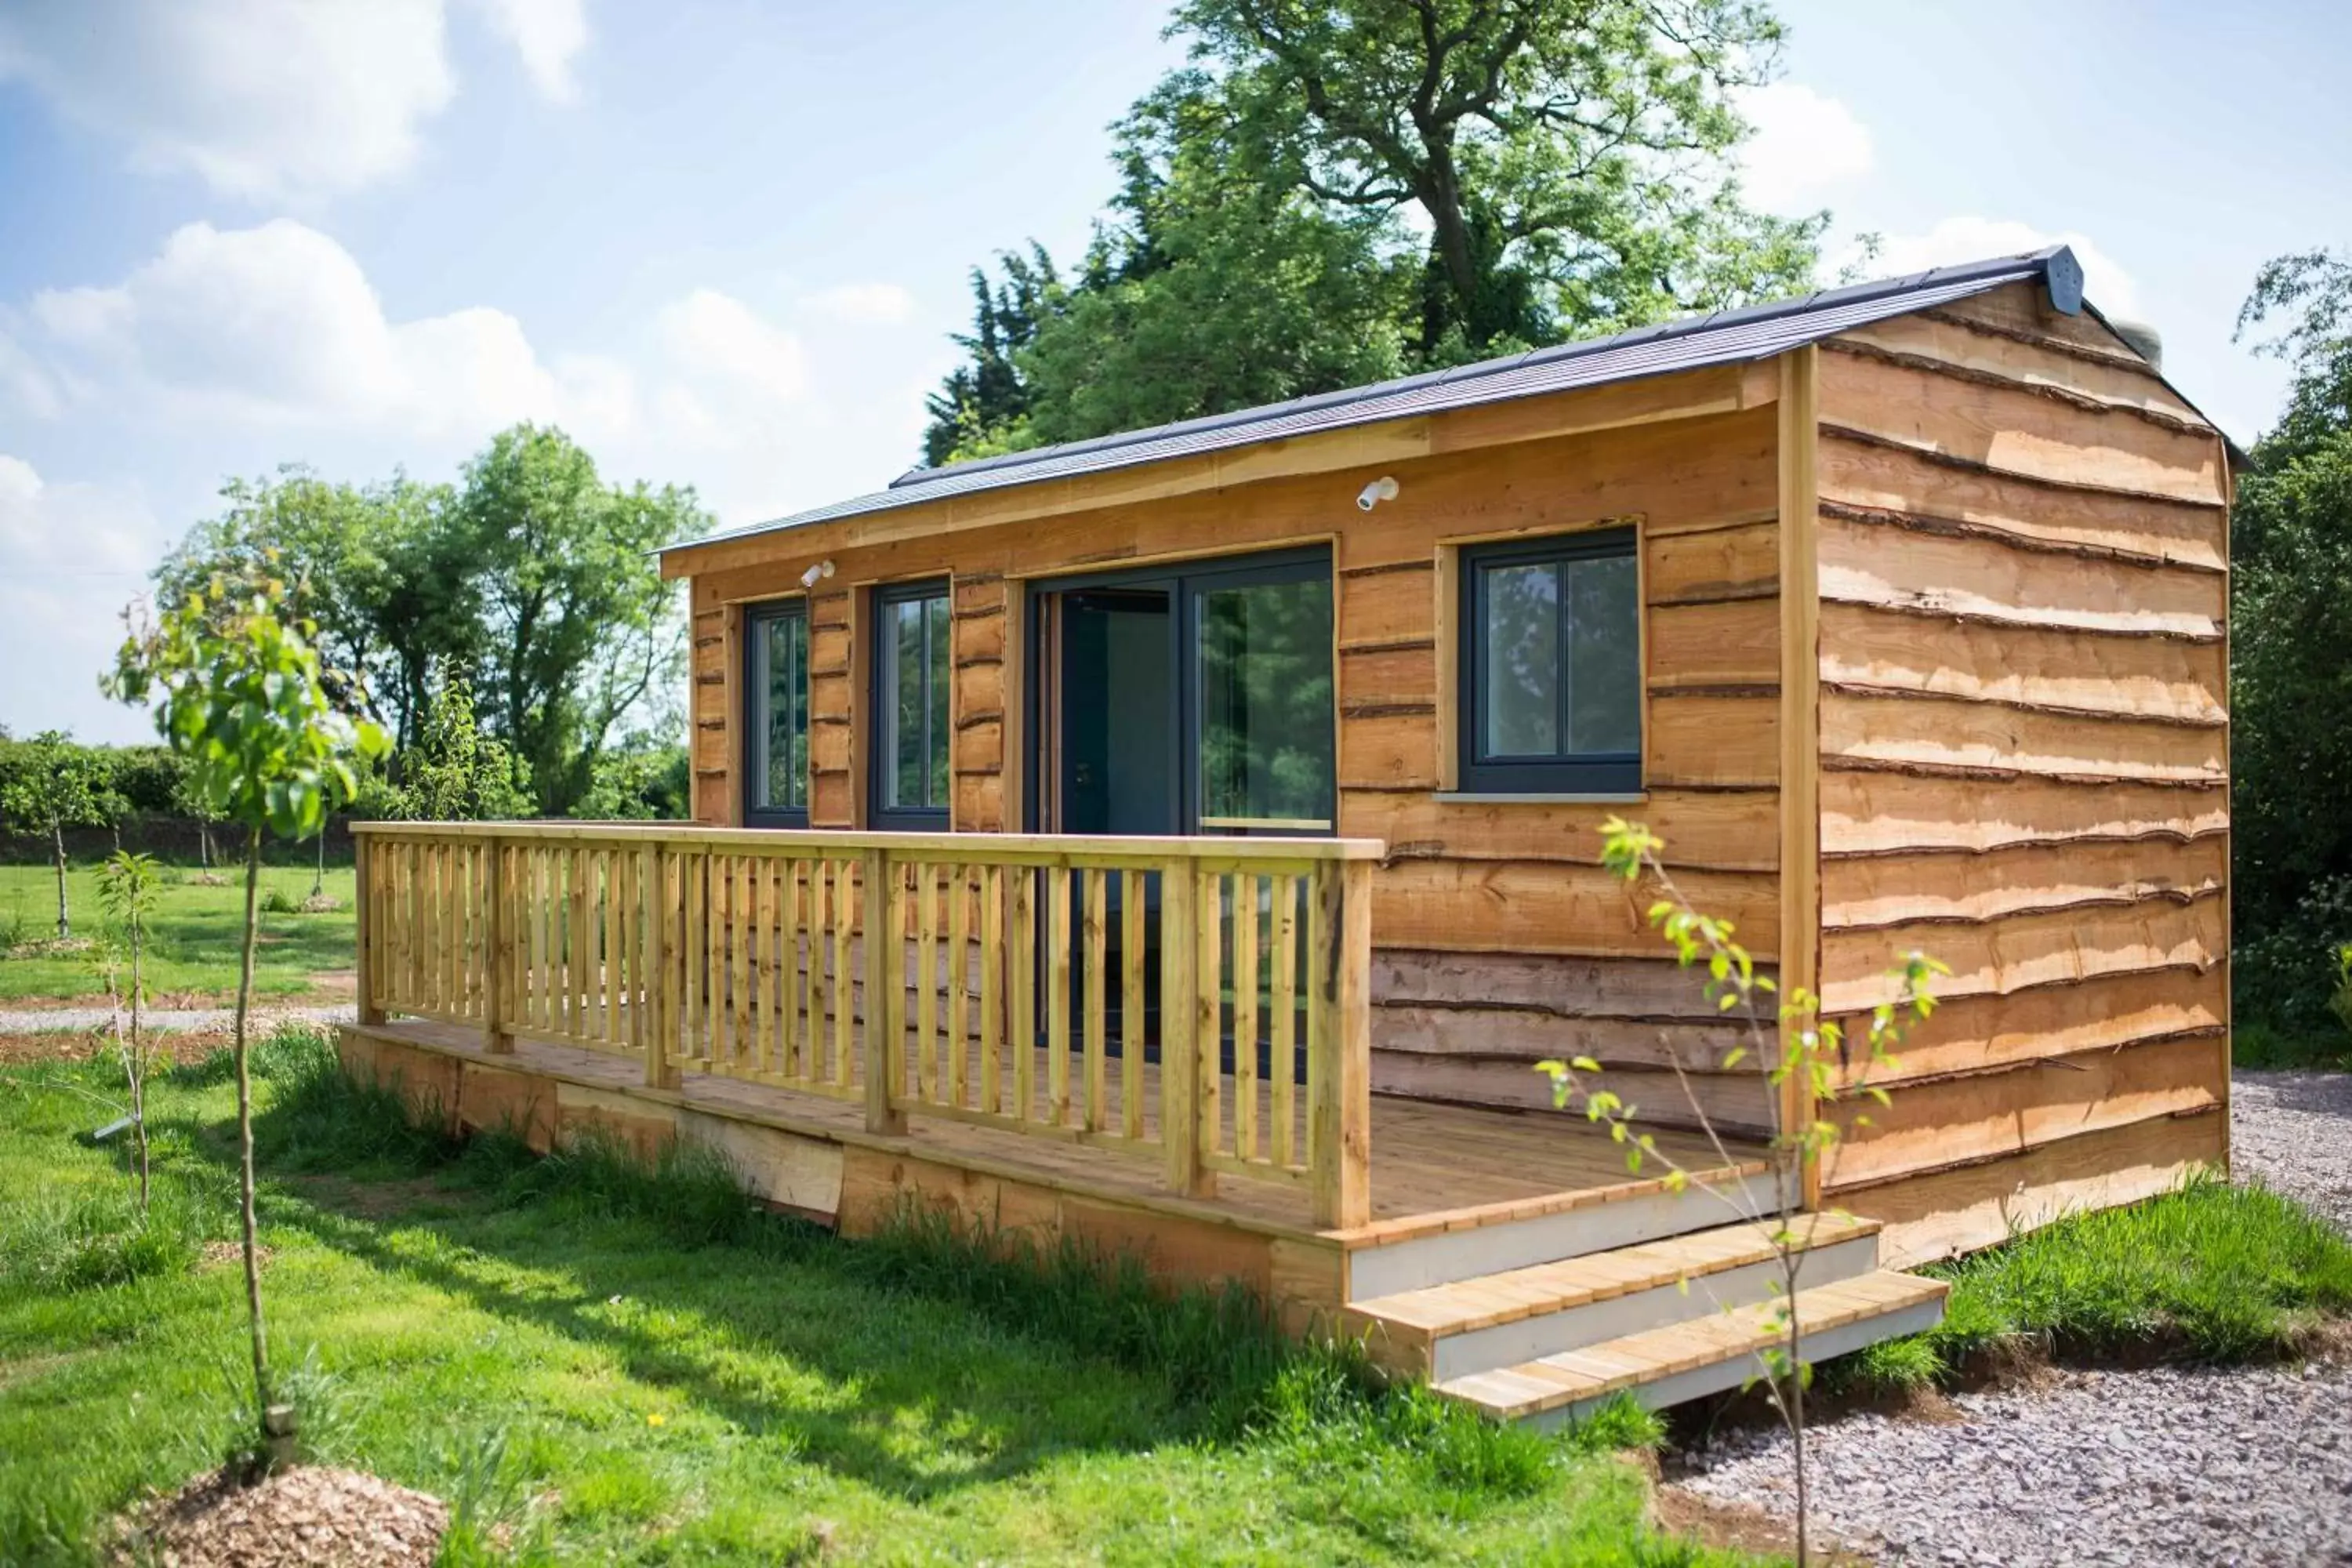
307	1517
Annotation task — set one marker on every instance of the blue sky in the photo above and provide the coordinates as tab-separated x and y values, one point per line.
723	242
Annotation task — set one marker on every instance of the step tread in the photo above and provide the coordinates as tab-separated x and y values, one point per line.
1488	1300
1550	1382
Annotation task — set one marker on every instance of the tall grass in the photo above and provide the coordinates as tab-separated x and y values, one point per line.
1220	1349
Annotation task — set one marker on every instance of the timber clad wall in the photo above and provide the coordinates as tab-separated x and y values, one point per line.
2024	746
2022	557
1494	920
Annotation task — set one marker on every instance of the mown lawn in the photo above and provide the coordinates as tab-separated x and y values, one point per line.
599	1366
194	939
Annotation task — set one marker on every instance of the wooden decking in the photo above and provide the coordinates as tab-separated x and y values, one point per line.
1434	1165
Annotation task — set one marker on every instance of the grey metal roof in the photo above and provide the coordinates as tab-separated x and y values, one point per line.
1724	337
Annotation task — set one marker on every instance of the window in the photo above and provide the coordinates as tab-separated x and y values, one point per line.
776	717
1552	666
910	705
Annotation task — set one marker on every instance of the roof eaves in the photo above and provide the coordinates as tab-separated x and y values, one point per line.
1748	333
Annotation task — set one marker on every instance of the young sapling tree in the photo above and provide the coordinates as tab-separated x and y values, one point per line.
128	888
235	680
55	784
1801	1058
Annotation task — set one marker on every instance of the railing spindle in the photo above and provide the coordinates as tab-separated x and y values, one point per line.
992	986
1096	925
1131	886
1021	959
1246	1143
1057	995
1283	1062
926	980
958	986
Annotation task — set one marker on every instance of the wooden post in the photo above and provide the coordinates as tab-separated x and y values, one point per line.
1179	1040
644	900
1800	685
1340	1043
498	943
885	994
665	911
363	905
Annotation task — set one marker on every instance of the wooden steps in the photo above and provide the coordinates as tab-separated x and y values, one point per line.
1445	1330
1701	1355
1544	1314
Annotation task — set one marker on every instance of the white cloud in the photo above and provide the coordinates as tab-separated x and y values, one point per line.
1805	145
547	34
278	324
1976	238
71	555
259	98
270	100
714	336
24	386
882	304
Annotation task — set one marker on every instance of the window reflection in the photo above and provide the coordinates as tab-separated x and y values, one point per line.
1265	705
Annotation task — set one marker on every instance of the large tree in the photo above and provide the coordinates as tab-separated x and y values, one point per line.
2291	620
369	566
1328	192
531	582
576	619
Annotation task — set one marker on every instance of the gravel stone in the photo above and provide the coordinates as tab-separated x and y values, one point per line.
2243	1466
174	1020
2292	1132
2248	1466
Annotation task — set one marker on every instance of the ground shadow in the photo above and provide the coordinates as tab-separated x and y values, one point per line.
884	1361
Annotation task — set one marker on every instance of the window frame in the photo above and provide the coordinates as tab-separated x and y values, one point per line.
1182	578
1614	773
882	705
756	620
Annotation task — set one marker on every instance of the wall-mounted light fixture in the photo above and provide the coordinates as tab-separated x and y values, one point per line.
1372	495
816	573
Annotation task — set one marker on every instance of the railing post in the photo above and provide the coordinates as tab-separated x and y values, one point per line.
364	906
666	919
1340	1046
497	951
885	993
1179	990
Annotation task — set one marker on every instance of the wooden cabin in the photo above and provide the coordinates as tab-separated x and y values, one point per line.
1190	838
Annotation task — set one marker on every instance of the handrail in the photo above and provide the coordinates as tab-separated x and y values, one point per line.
1002	979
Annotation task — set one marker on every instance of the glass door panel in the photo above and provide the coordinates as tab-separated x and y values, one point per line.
1263	652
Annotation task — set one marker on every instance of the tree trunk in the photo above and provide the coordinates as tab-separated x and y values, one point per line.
1440	190
319	878
139	1068
267	1411
58	842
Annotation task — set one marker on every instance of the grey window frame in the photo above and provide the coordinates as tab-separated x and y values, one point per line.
934	817
756	620
1558	772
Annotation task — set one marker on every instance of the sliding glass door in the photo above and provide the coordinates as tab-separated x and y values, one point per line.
1189	700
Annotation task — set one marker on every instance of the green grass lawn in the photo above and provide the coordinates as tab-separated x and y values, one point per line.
2210	1273
194	940
599	1365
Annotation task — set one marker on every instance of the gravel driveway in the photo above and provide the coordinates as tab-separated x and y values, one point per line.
215	1020
2250	1465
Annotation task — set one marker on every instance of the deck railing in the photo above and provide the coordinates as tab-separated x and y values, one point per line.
1006	980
